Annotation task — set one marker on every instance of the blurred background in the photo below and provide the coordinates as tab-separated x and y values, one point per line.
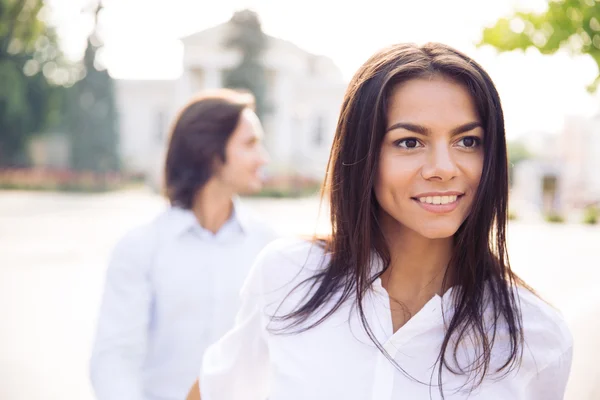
88	91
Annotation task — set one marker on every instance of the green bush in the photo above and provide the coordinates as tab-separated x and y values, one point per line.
290	187
591	215
59	180
554	217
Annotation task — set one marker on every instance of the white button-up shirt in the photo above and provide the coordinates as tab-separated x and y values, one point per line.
172	288
337	360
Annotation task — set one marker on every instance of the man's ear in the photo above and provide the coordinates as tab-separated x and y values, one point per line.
217	164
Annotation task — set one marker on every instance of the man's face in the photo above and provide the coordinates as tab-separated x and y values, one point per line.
245	155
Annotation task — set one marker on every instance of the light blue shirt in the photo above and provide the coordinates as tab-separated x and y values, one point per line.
171	290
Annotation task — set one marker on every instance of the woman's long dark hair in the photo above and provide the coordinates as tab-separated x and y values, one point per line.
479	264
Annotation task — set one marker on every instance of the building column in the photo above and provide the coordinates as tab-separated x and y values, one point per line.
281	138
213	78
183	91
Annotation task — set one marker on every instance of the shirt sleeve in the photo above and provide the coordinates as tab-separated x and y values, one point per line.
121	338
550	382
237	366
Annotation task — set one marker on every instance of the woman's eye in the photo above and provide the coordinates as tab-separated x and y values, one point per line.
409	143
469	142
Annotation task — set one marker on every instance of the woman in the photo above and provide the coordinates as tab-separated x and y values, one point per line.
412	295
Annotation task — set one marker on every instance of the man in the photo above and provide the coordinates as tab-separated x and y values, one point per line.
172	285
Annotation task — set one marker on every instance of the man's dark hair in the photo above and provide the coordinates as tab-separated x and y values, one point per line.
198	139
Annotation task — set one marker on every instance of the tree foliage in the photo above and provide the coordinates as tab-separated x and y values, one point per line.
517	152
92	114
248	38
93	119
41	91
31	71
570	24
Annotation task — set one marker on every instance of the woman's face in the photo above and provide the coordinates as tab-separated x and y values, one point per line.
431	157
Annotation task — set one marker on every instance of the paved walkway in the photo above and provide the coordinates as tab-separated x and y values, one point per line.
53	253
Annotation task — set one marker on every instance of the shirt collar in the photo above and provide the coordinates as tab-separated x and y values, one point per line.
182	220
241	215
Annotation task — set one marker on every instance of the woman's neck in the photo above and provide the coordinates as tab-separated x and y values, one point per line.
418	264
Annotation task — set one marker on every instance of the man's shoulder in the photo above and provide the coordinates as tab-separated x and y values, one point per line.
142	236
257	225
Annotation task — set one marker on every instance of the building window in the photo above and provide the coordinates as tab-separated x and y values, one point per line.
161	125
318	132
312	65
197	79
224	76
271	90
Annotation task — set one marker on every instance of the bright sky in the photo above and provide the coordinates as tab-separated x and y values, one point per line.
537	92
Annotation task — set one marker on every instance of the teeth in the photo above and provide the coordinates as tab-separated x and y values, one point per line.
438	199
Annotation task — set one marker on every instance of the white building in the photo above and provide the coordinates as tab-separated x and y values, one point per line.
304	92
564	174
580	144
537	182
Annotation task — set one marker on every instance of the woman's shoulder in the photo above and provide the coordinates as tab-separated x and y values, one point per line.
287	261
286	257
295	251
540	316
546	334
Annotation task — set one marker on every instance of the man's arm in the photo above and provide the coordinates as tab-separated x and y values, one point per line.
121	338
194	393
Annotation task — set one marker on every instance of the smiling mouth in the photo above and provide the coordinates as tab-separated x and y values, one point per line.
439	204
437	200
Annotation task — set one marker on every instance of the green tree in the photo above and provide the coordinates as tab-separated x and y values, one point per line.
517	152
32	70
93	119
248	38
570	24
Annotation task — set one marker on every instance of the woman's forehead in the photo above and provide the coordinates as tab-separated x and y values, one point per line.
430	102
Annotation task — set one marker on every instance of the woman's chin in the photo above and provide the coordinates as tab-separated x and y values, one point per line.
434	233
